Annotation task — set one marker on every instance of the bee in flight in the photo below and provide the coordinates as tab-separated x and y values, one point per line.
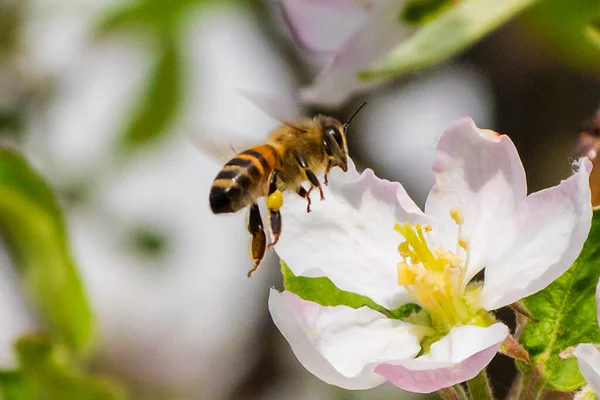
292	154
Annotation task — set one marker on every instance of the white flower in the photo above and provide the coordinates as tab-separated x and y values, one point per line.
588	356
357	32
477	215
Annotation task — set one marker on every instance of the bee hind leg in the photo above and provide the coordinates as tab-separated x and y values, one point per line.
274	203
259	239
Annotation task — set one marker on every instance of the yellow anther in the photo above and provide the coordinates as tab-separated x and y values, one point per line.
463	243
414	258
275	201
404	250
440	251
457	215
406	276
427	228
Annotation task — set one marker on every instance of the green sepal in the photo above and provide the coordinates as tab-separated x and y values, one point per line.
453	31
45	372
322	291
566	311
32	227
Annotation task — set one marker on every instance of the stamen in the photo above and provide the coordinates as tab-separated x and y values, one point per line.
457	215
463	243
406	276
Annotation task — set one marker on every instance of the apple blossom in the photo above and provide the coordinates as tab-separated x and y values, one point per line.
368	237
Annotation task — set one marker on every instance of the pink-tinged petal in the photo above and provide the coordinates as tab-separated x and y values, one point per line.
551	226
341	345
479	171
349	237
588	360
324	25
376	37
457	357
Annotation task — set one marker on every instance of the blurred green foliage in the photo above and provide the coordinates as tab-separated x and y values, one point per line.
46	372
422	11
566	311
564	27
32	227
443	37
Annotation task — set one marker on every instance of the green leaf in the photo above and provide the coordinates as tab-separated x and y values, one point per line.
566	311
160	103
32	228
156	15
46	373
566	28
13	386
322	291
420	11
452	32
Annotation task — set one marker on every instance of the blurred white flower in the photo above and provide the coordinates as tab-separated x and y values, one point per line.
477	215
358	32
186	320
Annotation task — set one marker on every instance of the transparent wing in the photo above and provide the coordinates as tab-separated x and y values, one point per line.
276	105
220	145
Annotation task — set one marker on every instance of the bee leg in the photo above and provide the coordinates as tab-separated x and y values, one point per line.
259	239
314	181
305	194
274	203
327	172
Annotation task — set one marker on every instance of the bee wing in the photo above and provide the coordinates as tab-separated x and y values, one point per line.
221	147
277	106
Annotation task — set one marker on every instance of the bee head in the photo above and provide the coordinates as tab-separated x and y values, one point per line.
334	139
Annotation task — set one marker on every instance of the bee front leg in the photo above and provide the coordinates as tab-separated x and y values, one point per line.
305	194
274	203
327	172
312	178
259	239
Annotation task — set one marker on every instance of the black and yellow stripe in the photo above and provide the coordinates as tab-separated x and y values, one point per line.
235	186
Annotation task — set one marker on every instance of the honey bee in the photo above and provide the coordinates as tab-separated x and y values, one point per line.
291	155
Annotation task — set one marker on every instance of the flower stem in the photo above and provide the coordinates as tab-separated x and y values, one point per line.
529	386
455	392
480	387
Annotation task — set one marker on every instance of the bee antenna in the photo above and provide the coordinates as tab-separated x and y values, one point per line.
354	115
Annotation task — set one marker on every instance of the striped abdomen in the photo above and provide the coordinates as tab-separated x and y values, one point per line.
243	179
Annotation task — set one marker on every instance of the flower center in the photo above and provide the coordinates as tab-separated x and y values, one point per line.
435	278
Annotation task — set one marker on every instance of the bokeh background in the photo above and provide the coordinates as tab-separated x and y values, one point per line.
102	97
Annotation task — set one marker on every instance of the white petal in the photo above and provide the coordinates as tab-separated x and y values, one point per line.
323	25
378	35
551	227
341	345
349	237
588	360
457	357
479	171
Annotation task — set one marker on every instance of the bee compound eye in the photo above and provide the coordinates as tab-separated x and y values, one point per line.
334	132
